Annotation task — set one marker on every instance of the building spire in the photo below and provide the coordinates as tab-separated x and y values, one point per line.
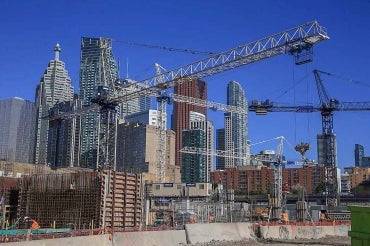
57	50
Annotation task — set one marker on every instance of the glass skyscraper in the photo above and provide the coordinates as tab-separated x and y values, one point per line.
220	145
16	130
99	68
236	127
54	87
208	129
193	165
95	53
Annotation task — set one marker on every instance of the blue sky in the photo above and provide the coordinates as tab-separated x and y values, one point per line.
30	29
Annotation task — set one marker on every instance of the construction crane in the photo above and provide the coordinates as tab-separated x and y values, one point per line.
297	41
326	107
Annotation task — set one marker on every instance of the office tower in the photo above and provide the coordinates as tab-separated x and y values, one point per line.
64	135
359	154
220	145
16	130
96	62
236	127
181	111
208	129
54	87
136	150
193	165
147	117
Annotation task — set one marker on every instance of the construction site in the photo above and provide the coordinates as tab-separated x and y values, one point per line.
102	206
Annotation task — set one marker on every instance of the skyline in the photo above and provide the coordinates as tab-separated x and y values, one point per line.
207	26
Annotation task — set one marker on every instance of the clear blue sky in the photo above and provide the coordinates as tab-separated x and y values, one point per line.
30	29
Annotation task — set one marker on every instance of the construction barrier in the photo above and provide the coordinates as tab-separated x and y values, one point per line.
360	221
292	231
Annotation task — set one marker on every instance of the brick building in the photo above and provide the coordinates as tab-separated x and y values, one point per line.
260	179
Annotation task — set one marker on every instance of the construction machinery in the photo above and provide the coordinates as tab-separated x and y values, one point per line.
326	107
297	41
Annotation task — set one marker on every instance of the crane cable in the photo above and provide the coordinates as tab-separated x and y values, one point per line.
151	46
349	80
294	101
308	115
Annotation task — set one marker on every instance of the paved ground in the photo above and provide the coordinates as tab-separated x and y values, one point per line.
327	241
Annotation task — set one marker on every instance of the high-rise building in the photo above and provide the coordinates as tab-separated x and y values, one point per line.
193	166
236	127
135	151
181	112
16	130
64	135
359	154
220	145
208	129
54	87
96	62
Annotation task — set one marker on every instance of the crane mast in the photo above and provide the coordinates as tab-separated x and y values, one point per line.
162	100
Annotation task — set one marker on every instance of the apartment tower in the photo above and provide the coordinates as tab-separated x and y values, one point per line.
236	127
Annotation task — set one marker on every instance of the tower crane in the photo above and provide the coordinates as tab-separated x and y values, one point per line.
295	41
326	107
276	203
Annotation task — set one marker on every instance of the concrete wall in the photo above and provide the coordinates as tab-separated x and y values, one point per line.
162	238
147	238
102	240
202	233
302	232
197	233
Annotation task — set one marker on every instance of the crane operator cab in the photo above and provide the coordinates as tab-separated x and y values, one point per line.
102	94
